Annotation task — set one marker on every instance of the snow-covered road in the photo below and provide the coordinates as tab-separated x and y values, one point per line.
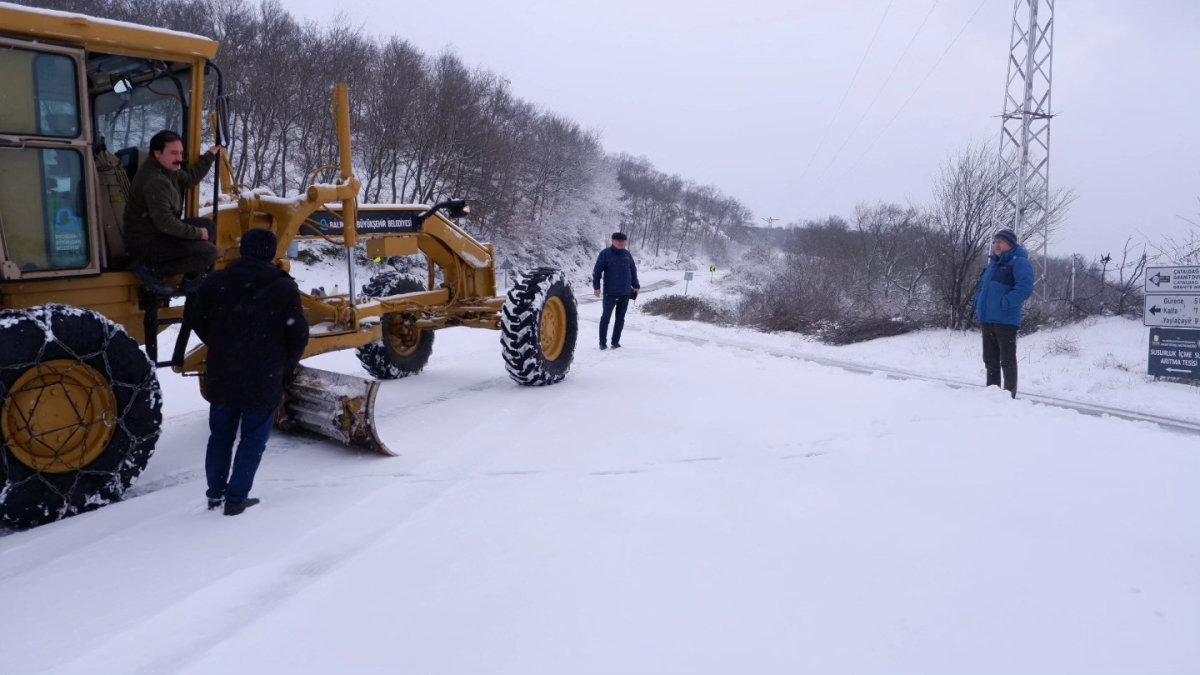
670	507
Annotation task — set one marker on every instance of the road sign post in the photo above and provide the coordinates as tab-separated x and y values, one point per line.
1173	311
506	267
687	278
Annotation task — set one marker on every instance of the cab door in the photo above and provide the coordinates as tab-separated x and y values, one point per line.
48	223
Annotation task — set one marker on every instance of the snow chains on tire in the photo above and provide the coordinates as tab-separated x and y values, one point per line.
34	337
376	357
521	326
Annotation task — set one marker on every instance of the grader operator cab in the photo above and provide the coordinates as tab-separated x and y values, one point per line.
80	401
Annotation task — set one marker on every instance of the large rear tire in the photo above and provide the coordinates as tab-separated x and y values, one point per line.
80	413
404	350
538	328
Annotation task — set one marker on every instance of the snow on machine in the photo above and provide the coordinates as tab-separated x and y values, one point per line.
80	401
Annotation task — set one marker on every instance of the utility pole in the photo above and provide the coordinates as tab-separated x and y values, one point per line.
1074	307
1103	274
771	221
1024	188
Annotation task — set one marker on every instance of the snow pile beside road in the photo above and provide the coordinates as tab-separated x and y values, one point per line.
1098	361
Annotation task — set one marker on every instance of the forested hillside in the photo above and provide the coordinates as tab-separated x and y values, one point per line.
429	127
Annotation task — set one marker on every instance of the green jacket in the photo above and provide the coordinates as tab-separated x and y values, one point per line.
156	202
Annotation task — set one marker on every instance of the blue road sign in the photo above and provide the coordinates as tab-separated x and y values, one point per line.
1175	352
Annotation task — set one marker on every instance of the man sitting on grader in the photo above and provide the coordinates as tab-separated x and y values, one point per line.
160	243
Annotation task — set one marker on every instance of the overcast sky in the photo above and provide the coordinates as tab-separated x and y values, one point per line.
740	94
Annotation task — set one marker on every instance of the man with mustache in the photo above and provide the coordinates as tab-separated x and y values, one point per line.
161	243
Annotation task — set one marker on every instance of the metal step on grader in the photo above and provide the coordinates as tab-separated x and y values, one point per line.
80	401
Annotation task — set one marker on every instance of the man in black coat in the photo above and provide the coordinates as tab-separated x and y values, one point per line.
619	273
250	317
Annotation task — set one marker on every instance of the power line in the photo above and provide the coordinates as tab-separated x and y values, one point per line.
847	92
915	90
877	93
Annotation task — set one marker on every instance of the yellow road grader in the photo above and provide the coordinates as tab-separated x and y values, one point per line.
80	402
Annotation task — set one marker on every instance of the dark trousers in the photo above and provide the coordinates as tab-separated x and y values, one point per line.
1000	355
168	256
621	303
223	426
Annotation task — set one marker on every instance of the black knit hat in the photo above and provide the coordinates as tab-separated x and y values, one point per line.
259	243
1008	236
619	236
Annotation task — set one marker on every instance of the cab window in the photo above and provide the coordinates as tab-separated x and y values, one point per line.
130	114
43	208
40	94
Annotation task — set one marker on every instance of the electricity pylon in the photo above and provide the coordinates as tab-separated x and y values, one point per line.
1024	187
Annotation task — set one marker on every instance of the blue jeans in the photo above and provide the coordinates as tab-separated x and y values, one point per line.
223	426
620	303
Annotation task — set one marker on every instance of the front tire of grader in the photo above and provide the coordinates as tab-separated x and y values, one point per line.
80	413
538	328
403	351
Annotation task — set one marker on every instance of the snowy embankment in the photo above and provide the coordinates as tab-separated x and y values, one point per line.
1099	361
670	507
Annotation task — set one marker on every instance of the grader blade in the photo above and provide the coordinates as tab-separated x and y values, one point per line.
335	405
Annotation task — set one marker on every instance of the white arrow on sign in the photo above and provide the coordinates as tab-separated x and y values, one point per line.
1177	311
1173	279
1177	370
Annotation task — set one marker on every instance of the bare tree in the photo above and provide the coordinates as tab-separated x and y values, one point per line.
665	210
892	260
1183	249
1129	273
965	213
424	127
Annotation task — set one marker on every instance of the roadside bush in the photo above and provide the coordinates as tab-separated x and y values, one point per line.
1045	314
802	297
1111	362
684	308
1065	344
863	330
1037	316
308	257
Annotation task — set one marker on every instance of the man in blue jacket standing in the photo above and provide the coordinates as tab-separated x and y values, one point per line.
1005	286
616	266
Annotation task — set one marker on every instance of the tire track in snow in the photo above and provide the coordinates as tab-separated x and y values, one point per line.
220	609
196	471
656	286
411	406
217	611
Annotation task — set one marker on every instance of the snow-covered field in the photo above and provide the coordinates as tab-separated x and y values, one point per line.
1098	361
670	507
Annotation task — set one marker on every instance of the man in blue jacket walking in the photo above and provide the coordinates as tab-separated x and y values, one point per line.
616	266
1005	286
